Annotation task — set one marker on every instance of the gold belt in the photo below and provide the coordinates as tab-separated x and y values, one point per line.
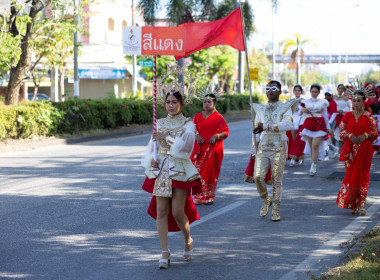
164	152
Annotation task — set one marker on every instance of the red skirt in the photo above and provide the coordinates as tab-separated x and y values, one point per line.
249	176
338	120
190	210
290	141
296	151
312	125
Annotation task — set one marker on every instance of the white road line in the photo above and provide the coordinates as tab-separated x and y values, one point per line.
214	214
332	246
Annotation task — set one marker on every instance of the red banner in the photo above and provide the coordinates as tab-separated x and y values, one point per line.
185	39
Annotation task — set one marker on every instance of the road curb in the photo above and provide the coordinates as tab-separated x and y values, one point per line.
29	144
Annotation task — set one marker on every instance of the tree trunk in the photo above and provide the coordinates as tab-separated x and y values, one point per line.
298	66
17	73
36	86
61	83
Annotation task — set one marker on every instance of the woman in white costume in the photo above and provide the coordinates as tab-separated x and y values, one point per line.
315	124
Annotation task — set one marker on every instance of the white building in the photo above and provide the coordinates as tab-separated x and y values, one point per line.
102	66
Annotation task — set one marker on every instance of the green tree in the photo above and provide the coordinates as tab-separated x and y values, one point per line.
370	77
26	27
220	61
288	78
297	55
312	77
257	59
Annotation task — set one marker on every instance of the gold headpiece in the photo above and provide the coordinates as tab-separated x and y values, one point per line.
169	83
356	87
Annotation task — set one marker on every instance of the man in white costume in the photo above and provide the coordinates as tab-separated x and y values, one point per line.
271	123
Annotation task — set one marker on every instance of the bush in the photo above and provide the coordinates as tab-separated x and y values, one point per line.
77	115
29	119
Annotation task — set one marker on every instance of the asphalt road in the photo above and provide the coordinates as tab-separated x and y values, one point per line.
78	212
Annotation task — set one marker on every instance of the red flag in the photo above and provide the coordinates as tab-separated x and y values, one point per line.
225	31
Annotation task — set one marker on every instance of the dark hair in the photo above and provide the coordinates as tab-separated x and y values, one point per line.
278	84
176	94
360	93
298	86
317	86
211	96
341	85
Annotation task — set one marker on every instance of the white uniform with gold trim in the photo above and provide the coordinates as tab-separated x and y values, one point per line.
273	148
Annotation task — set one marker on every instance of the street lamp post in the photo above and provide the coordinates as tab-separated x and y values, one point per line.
76	70
134	74
273	46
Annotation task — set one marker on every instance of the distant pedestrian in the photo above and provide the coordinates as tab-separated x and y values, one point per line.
331	110
315	126
296	149
343	106
358	130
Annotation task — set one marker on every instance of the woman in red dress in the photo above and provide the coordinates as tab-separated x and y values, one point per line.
207	156
358	130
170	176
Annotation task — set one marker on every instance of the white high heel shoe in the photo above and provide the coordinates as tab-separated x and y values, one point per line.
187	255
164	263
313	169
292	162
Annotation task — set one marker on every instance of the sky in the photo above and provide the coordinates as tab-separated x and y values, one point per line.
336	26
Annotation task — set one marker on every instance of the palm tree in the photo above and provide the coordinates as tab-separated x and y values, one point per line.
297	55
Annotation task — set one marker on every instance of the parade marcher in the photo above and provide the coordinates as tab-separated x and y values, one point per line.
207	156
271	123
358	130
170	174
315	126
343	106
296	150
331	110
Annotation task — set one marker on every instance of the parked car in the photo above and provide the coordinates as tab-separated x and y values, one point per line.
39	97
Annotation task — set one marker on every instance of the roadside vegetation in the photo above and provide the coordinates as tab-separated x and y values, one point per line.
363	265
36	119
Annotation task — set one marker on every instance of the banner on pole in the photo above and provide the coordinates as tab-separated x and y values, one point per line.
185	39
148	40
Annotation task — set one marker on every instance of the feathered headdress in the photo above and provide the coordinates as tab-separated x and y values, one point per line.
169	83
203	93
356	87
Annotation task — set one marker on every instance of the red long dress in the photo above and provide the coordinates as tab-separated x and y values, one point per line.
358	158
208	158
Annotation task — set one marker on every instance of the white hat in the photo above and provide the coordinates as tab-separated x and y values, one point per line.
329	91
377	85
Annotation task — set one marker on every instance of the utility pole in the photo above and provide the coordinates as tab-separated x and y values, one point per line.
76	70
134	74
274	76
241	66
